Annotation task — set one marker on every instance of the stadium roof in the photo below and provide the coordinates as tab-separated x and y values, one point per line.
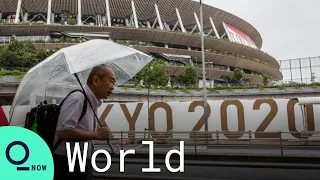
145	11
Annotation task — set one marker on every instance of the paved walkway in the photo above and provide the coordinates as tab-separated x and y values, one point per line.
213	171
225	150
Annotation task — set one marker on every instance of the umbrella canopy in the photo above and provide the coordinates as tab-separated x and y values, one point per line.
54	77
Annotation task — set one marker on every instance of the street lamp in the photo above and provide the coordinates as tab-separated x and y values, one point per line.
204	80
151	68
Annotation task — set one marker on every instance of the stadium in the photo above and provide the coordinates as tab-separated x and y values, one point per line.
165	29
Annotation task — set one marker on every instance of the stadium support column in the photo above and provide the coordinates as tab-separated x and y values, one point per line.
159	20
108	13
226	29
49	12
198	22
181	24
16	20
134	14
127	22
166	26
154	23
180	20
175	26
158	16
52	17
25	16
79	13
214	28
148	25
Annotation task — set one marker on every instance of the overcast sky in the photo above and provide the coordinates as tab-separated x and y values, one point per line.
289	28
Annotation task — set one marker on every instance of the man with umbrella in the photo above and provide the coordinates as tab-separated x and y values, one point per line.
54	76
100	85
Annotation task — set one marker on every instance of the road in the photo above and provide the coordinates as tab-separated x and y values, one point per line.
212	172
215	170
306	151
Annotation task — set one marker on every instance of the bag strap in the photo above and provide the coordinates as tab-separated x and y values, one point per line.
77	90
83	112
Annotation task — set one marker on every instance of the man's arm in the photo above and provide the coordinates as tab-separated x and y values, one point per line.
81	135
76	134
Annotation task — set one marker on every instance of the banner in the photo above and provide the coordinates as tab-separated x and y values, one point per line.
265	117
237	36
3	118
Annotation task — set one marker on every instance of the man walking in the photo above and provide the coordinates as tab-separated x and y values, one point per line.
100	85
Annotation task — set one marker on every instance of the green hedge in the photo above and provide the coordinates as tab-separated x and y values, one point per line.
230	88
16	73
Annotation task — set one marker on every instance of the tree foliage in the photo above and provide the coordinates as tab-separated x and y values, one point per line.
22	54
265	79
71	21
154	74
22	47
189	77
237	75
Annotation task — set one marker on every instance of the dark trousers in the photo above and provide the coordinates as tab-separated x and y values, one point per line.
61	169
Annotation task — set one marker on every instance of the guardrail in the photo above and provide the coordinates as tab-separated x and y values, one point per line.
217	138
281	140
114	176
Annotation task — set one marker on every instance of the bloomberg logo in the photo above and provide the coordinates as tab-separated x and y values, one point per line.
24	155
34	167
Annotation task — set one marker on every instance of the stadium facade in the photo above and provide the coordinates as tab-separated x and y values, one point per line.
169	29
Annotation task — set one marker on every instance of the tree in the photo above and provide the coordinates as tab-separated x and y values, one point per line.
265	79
189	77
19	54
237	75
29	47
71	21
9	58
1	49
154	74
42	55
15	46
22	54
20	47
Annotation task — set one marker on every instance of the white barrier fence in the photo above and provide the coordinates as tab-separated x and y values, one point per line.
257	116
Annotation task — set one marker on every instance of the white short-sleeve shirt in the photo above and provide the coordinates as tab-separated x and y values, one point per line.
69	115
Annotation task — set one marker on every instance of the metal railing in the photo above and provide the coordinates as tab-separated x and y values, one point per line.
141	177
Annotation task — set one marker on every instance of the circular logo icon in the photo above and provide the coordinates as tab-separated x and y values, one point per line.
24	155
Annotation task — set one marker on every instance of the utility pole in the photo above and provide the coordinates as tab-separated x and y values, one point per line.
148	110
204	80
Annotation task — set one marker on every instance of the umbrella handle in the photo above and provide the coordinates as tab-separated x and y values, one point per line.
112	149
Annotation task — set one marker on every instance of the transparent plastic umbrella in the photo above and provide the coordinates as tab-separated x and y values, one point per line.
54	77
